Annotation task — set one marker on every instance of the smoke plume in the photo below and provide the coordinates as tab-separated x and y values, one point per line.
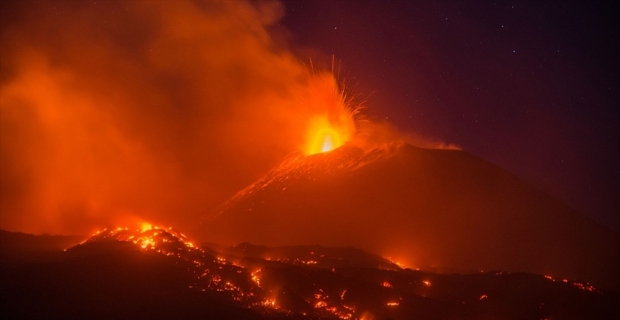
119	111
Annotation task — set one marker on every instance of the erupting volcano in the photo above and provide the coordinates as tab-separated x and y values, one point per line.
431	209
301	198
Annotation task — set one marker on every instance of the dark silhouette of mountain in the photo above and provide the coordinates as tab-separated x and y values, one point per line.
18	247
109	277
18	241
159	274
442	210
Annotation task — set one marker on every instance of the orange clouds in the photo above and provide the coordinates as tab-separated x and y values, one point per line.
122	111
154	110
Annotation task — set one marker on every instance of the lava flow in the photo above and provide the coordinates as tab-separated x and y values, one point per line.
315	282
232	279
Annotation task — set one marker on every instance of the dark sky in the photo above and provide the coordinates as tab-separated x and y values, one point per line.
532	87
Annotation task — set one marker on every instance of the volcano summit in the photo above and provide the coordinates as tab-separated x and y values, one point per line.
442	210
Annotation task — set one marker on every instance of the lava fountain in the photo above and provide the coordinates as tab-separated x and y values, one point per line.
323	136
332	121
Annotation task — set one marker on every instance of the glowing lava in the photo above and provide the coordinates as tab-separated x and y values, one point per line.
329	119
320	294
324	136
328	144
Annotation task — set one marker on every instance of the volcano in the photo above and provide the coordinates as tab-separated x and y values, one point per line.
432	209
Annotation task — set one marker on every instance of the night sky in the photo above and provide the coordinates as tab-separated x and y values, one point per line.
530	87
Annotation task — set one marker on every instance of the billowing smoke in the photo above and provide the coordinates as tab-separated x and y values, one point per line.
119	111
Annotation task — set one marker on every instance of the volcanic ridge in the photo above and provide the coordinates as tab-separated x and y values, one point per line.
157	273
432	209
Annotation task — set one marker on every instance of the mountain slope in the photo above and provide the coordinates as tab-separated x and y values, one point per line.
158	274
442	210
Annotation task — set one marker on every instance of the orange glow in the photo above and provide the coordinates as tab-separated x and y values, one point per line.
393	304
586	287
269	303
330	119
427	283
255	277
400	265
323	136
82	146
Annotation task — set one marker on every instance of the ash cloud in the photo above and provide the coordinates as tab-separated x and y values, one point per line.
157	111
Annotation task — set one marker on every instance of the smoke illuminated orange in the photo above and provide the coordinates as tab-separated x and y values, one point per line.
91	134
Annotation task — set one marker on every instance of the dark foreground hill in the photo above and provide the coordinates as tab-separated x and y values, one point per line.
442	210
159	274
18	247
